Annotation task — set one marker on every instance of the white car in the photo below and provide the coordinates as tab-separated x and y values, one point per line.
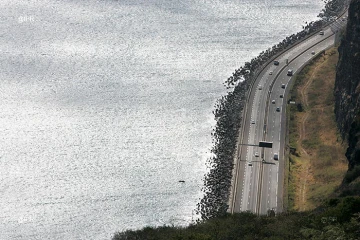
260	87
273	101
256	154
252	121
270	73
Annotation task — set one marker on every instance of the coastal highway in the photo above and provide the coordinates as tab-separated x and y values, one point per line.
258	179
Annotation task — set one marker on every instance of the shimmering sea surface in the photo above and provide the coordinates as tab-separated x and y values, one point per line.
105	105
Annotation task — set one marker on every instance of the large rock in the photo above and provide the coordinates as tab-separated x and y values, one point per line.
347	85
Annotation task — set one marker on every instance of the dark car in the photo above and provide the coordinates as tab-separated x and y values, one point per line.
276	62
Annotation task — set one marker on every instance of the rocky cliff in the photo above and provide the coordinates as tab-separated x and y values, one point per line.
347	86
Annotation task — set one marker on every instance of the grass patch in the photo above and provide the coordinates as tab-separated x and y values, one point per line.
310	143
326	156
318	165
293	169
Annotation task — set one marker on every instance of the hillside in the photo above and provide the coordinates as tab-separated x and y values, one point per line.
317	162
335	220
347	97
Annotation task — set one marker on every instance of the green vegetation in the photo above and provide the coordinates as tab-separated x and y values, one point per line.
338	219
317	157
291	190
352	174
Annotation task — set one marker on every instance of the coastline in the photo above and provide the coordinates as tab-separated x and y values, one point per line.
229	111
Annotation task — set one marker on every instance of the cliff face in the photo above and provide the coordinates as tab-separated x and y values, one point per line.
347	85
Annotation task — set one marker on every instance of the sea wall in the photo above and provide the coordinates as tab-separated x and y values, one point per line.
228	112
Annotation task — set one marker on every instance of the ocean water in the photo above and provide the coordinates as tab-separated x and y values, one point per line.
106	105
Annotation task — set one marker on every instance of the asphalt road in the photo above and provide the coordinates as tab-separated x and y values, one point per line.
258	185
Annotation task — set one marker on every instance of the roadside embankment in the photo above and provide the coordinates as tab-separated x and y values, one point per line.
317	160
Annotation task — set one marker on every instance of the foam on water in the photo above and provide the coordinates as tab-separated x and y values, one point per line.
106	105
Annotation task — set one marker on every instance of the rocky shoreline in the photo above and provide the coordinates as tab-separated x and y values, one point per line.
228	115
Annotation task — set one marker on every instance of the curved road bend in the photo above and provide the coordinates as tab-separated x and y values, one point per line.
259	186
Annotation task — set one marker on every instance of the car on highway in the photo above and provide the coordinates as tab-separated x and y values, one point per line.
283	85
270	73
256	154
276	62
273	101
290	72
253	192
260	87
252	121
250	164
313	52
321	33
